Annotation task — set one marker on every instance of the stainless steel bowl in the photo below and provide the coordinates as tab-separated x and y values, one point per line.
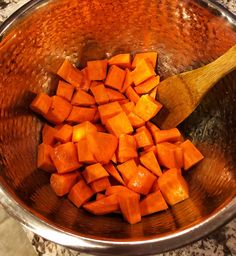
187	34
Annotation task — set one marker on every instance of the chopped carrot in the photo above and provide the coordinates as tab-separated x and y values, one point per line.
44	161
65	157
131	94
143	71
103	146
150	148
170	135
103	206
191	154
81	114
100	196
111	169
85	83
114	158
150	56
129	206
119	124
41	104
152	129
94	172
100	185
58	112
143	137
65	90
147	85
128	170
71	74
118	188
96	116
122	60
100	127
123	101
173	186
64	134
62	183
80	131
128	107
153	93
135	120
100	94
179	157
109	110
154	202
115	78
142	181
95	83
155	186
114	95
150	162
128	80
82	98
80	193
85	155
127	148
97	69
147	107
48	135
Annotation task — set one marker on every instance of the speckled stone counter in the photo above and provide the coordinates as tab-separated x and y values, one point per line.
221	242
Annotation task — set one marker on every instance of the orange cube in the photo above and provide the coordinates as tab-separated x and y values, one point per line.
71	74
128	107
100	196
97	69
148	85
115	78
119	124
155	186
81	114
100	94
65	90
85	155
100	185
118	188
150	56
147	107
94	172
143	71
150	148
128	170
128	80
80	131
143	137
127	148
82	98
150	162
111	169
109	110
44	161
64	134
153	93
152	128
131	94
80	193
173	186
59	110
65	157
114	95
122	60
191	154
135	120
171	135
41	104
48	135
86	82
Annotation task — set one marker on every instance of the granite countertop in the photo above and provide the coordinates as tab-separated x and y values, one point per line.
221	242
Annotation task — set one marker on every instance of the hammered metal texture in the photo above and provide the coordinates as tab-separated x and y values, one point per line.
184	33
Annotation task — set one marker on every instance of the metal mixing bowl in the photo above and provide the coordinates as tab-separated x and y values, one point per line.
186	34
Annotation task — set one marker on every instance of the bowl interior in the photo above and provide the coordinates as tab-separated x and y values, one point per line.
185	34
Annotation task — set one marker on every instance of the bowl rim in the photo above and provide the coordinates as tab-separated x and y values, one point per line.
111	247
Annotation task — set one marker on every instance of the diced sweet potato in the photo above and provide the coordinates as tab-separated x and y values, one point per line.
153	93
135	120
173	186
81	114
85	155
111	169
80	131
143	137
142	181
118	189
155	186
150	148
41	103
44	161
148	85
100	94
131	94
119	124
127	148
94	172
114	95
64	134
122	60
58	112
103	206
128	170
97	69
71	74
114	158
128	107
65	90
62	183
100	185
82	98
96	116
65	157
100	196
128	80
150	56
152	129
48	135
80	193
150	162
115	78
171	135
147	107
154	202
86	82
109	110
191	154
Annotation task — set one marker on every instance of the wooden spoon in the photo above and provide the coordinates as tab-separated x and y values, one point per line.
182	93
